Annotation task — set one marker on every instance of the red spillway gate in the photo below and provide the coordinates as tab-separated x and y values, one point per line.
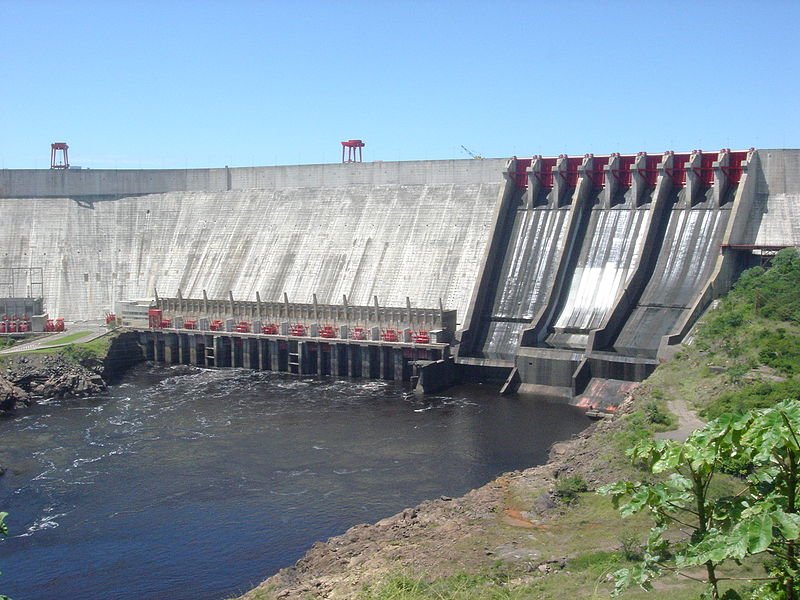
598	172
521	172
734	169
545	175
706	173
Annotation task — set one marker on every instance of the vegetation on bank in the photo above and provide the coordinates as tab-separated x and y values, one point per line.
744	356
82	353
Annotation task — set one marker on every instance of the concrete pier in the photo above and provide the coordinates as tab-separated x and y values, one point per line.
300	356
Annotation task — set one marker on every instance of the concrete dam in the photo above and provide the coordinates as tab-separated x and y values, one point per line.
564	273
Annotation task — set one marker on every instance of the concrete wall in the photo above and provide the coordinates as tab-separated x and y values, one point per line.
775	214
423	241
21	183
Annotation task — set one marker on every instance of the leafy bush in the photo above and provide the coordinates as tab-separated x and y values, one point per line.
568	488
762	518
655	415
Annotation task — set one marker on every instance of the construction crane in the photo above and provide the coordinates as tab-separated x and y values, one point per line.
471	153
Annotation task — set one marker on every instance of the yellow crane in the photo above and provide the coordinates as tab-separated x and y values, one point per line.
471	153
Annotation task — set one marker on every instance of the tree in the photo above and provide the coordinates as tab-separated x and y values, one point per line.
695	528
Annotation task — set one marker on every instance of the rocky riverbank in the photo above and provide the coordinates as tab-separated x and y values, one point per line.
42	377
507	521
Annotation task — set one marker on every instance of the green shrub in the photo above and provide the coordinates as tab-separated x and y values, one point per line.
568	488
654	414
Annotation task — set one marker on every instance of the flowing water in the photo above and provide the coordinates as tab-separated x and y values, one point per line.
201	483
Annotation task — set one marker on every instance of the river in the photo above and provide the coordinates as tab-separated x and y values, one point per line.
195	484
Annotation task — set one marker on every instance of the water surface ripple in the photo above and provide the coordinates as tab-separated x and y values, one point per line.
199	484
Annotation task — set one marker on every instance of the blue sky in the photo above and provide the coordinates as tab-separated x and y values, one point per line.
178	84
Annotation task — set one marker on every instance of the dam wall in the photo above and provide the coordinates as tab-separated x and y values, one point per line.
397	231
70	183
773	219
561	270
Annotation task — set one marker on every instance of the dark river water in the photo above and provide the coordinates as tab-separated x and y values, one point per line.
200	484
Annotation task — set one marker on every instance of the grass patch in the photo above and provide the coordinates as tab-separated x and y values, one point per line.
65	339
93	350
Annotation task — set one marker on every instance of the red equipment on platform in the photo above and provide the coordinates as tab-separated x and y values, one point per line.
353	148
298	330
110	318
216	325
242	327
421	337
190	324
390	335
358	333
60	324
327	331
55	148
270	329
154	317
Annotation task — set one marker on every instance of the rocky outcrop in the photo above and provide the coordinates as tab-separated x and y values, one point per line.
11	395
33	377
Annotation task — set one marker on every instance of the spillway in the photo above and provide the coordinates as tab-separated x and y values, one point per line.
688	256
524	278
611	246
